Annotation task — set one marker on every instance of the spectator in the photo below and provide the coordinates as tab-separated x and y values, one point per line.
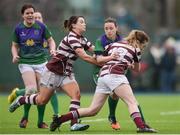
168	66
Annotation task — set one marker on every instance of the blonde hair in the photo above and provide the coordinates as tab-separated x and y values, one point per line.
137	39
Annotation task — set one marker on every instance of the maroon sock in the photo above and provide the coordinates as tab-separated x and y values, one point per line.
74	105
22	100
69	116
137	120
28	99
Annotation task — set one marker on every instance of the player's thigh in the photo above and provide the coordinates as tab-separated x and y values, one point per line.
44	95
29	79
38	77
72	90
125	92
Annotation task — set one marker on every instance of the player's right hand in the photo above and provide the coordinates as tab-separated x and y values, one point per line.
115	55
15	59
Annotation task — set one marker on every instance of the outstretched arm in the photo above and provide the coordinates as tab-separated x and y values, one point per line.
83	55
52	46
103	59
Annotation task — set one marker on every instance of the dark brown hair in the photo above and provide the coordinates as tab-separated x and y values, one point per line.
112	20
72	20
26	6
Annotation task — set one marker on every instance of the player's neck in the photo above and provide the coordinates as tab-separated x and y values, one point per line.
28	24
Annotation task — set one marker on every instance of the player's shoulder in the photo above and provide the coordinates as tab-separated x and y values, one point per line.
38	24
19	25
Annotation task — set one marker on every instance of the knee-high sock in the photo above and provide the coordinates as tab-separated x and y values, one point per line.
69	116
75	104
112	106
142	116
54	103
28	99
26	111
41	110
21	92
137	120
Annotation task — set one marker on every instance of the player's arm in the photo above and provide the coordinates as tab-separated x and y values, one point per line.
103	59
14	51
52	46
135	66
48	36
83	55
91	49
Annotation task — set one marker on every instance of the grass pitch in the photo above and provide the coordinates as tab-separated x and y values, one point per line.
161	112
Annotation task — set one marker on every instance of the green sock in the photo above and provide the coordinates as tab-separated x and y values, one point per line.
26	110
54	103
20	92
142	116
112	106
41	109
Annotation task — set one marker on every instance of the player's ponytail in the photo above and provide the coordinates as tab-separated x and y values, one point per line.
137	39
66	24
72	20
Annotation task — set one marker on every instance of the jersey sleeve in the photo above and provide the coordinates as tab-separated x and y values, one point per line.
15	36
98	47
87	44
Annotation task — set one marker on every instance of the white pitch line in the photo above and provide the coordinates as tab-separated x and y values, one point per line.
95	120
125	121
170	113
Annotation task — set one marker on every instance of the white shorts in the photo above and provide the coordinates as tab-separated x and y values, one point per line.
108	83
54	81
39	68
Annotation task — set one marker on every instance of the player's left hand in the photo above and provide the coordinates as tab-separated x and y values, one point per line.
53	52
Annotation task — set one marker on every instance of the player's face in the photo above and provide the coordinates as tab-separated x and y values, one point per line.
38	16
110	30
80	25
28	16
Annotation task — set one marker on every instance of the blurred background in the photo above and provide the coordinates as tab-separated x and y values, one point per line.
159	18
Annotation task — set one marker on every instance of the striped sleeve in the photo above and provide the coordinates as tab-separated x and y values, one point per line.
87	44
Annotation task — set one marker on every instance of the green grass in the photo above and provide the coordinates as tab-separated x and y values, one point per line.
162	112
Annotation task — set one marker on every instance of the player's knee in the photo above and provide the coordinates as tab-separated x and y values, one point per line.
42	101
30	91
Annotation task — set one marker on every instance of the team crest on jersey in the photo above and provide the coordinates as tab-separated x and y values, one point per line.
36	32
30	42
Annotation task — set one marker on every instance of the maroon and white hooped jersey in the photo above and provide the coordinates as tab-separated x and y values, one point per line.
66	55
127	55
